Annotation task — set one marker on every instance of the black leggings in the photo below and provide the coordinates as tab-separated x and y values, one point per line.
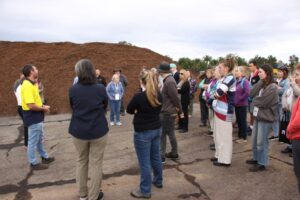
184	122
296	158
20	112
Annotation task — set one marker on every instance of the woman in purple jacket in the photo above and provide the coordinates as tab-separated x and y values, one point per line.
241	102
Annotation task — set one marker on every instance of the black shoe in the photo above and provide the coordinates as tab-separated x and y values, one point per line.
210	133
163	159
251	162
100	196
158	186
183	131
178	128
249	129
216	163
212	147
38	166
287	150
273	138
47	160
257	168
171	156
213	159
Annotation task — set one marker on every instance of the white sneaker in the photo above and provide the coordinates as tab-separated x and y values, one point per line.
119	123
240	141
112	123
83	198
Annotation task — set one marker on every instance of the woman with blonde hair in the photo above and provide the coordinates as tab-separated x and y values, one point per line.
223	106
241	102
184	91
146	106
115	92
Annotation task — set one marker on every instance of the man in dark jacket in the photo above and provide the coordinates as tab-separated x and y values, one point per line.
100	79
170	107
254	78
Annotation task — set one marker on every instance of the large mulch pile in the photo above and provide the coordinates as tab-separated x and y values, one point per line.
56	61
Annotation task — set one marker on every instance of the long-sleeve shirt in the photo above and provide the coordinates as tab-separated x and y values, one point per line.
115	90
293	130
146	117
171	103
284	84
290	96
242	92
223	105
88	103
185	93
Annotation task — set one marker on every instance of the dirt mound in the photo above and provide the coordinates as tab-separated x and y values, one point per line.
56	62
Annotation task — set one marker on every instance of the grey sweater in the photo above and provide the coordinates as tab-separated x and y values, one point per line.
267	101
293	92
170	96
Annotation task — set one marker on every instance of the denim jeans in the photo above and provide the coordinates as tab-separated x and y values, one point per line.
260	141
35	140
241	118
168	125
147	144
114	110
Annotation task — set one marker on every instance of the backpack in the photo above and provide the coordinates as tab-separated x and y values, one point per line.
243	83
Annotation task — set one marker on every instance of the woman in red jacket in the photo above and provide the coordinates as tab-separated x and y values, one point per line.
293	132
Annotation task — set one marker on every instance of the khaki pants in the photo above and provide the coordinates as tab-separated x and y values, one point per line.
223	139
90	152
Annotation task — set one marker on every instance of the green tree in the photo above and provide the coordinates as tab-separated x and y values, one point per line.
293	61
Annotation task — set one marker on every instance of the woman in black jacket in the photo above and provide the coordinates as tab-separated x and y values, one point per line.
184	91
89	129
146	106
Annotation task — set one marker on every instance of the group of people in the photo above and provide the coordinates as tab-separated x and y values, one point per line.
164	100
269	101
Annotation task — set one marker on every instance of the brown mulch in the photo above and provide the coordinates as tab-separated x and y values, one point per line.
56	61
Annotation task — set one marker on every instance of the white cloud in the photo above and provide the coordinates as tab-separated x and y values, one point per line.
171	27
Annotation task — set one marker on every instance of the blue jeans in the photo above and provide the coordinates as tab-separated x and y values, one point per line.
147	144
260	141
35	140
115	110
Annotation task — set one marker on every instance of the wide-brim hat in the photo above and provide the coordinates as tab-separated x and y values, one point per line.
164	68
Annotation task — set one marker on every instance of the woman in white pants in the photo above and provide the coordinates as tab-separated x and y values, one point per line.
223	107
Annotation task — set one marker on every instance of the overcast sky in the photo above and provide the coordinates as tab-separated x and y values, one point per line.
177	28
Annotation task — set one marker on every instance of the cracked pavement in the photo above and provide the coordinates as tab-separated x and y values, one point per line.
191	177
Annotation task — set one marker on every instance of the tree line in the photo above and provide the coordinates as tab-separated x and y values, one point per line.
200	64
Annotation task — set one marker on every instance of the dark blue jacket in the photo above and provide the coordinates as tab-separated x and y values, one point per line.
88	103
